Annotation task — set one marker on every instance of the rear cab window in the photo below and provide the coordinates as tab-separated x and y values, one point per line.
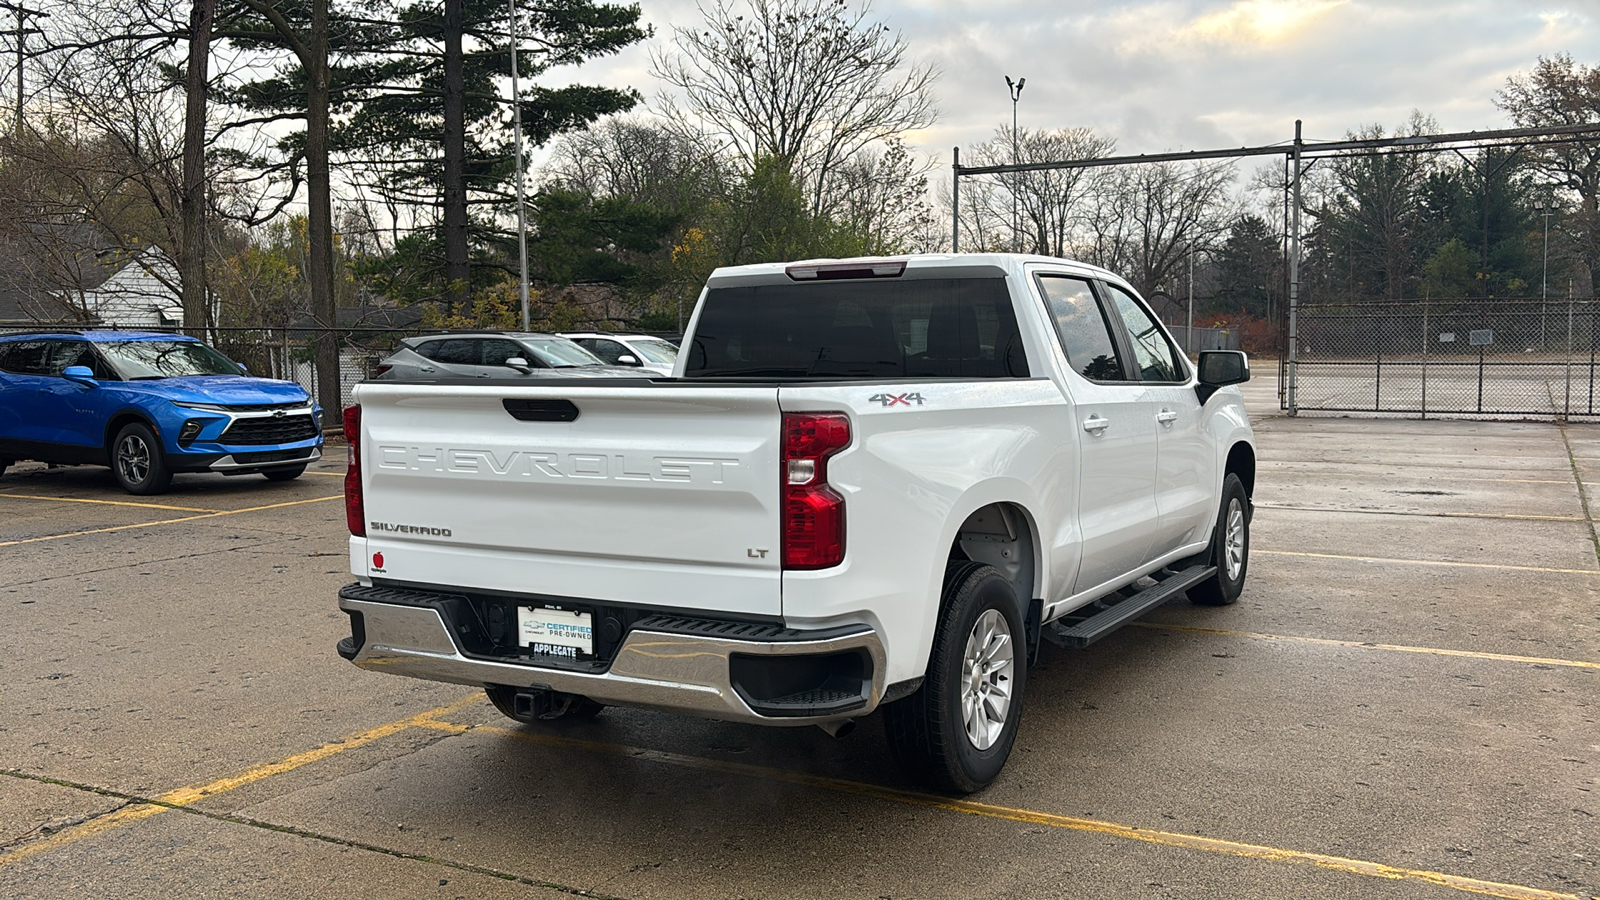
959	327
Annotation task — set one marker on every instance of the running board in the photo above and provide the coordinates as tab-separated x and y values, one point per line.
1102	623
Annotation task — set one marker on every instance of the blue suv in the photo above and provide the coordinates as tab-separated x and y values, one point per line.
148	405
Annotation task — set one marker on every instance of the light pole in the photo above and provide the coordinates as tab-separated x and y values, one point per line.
1016	221
1545	208
516	124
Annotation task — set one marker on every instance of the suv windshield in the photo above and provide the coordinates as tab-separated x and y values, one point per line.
919	328
653	350
135	360
560	353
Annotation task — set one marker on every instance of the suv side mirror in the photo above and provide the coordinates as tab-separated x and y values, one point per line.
520	364
627	359
80	374
1219	368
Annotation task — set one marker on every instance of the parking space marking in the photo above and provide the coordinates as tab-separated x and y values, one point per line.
1446	479
1441	514
1071	823
209	515
187	795
1421	562
109	502
1368	645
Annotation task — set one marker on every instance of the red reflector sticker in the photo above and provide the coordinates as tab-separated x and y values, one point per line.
377	560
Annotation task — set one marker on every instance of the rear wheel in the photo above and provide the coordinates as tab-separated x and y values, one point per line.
1230	548
956	732
137	461
541	706
287	473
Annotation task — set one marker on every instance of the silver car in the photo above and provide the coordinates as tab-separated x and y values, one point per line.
494	355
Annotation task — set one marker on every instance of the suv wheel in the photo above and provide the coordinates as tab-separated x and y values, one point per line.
137	461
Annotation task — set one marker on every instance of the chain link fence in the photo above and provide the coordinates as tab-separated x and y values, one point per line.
1526	358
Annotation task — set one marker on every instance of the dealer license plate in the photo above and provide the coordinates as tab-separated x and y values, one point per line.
555	632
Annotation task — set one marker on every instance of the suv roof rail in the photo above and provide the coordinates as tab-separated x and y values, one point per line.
27	331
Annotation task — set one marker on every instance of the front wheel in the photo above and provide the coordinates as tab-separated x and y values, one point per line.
956	732
1230	548
137	460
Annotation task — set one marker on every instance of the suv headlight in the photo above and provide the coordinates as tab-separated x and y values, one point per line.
208	407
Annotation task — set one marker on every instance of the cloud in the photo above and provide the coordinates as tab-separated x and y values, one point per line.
1261	21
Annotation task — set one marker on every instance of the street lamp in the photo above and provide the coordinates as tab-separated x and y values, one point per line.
1545	208
1016	220
516	124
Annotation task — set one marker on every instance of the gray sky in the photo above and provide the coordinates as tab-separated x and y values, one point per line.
1201	74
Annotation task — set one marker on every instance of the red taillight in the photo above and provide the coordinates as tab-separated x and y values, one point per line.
813	513
379	369
355	514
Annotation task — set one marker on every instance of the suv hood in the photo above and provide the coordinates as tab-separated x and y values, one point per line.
227	390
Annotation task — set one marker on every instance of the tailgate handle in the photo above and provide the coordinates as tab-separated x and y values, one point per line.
540	410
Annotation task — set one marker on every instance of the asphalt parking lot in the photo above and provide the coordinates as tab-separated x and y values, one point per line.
1403	704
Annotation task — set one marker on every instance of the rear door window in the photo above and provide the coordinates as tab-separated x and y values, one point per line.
454	351
25	357
918	328
1082	326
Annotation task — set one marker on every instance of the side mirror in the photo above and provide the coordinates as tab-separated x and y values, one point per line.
243	369
80	374
627	359
1219	368
520	364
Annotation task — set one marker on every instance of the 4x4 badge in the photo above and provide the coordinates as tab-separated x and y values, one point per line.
888	400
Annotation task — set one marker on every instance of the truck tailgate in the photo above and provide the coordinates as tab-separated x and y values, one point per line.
660	495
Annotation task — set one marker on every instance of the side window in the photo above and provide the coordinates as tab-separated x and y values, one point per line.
608	351
1151	349
77	353
25	357
456	351
1085	335
495	353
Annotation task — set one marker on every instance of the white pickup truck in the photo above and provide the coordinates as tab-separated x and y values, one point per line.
870	483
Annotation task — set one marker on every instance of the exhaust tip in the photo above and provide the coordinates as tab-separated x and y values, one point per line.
838	729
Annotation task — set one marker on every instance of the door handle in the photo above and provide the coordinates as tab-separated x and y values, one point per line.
424	368
1096	424
1166	417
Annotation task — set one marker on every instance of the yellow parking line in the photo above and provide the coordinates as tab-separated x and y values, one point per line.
108	502
1444	480
1441	514
1424	562
210	515
1072	823
327	474
1368	645
188	795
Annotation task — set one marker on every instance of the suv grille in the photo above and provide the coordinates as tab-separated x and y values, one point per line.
286	430
264	407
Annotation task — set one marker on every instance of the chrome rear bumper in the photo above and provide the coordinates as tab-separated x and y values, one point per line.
652	669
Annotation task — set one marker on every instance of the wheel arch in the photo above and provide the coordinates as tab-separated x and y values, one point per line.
1002	533
122	420
1242	462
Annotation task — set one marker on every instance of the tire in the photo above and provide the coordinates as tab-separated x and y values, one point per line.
1230	548
954	734
563	707
137	460
287	473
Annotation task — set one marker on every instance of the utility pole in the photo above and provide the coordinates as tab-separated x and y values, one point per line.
522	214
955	202
1294	273
1016	221
21	33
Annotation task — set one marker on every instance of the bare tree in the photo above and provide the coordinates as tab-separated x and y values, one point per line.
1050	203
810	82
1145	220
